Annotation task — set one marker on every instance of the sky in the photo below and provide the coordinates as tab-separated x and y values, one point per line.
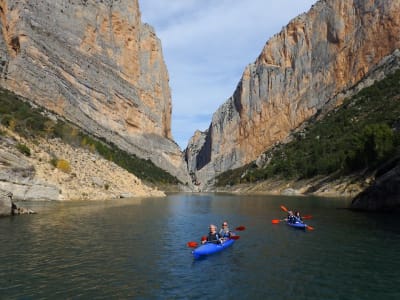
206	46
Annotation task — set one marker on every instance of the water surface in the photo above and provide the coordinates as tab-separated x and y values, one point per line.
136	249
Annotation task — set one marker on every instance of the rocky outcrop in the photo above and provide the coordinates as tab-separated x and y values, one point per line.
88	176
17	176
96	64
311	65
8	208
384	193
5	203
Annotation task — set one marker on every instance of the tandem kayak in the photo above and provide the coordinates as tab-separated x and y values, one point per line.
298	224
211	248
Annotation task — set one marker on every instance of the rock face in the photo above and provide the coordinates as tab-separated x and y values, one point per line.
17	176
384	194
88	176
309	65
8	208
94	63
5	204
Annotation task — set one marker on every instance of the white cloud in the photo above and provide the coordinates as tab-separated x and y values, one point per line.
206	46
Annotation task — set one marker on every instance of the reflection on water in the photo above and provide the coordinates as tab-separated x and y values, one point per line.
136	248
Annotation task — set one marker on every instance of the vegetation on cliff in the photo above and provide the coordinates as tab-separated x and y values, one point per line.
359	135
31	122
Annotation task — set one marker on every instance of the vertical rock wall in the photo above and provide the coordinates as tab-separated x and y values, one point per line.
94	63
317	57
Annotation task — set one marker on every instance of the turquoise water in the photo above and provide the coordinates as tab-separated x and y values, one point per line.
136	249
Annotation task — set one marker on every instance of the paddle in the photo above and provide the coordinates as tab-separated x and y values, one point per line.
276	221
192	244
303	217
240	228
284	208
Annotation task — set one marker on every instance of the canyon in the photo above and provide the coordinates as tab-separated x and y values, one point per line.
312	65
95	64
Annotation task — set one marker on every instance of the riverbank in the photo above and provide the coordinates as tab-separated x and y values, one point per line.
48	169
327	186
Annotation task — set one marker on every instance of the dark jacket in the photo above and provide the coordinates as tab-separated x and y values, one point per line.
213	238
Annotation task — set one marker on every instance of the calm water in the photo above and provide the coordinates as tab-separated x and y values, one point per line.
136	249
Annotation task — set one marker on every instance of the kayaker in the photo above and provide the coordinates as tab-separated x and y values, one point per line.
213	236
224	232
297	216
290	218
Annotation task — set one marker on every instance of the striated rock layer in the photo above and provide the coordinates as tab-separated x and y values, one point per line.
308	66
87	176
94	63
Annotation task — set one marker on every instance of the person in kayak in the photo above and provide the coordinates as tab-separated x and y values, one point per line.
213	236
298	217
291	217
224	232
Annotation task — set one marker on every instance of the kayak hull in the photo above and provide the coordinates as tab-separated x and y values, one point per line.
211	248
299	225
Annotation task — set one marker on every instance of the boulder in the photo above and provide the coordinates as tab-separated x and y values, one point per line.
8	208
384	193
5	203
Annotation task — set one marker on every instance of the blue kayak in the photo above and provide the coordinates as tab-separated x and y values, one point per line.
211	248
297	224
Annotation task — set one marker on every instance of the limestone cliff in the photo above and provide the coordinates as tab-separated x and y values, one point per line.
309	66
89	176
96	64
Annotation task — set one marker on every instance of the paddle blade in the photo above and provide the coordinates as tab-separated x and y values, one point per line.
235	237
284	208
310	228
306	217
240	228
275	221
192	244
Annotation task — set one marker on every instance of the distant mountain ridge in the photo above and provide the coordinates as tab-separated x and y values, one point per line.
311	65
97	65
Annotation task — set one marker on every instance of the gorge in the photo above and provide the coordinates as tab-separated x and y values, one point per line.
104	72
313	64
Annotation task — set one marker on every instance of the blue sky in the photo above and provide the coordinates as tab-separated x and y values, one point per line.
206	46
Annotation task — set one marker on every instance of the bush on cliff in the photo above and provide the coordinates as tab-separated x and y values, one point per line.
31	122
24	149
361	134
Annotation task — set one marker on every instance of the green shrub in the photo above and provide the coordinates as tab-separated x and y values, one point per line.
30	122
53	162
24	149
357	135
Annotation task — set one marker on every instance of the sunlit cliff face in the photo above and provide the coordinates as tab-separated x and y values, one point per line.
96	64
315	58
96	57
